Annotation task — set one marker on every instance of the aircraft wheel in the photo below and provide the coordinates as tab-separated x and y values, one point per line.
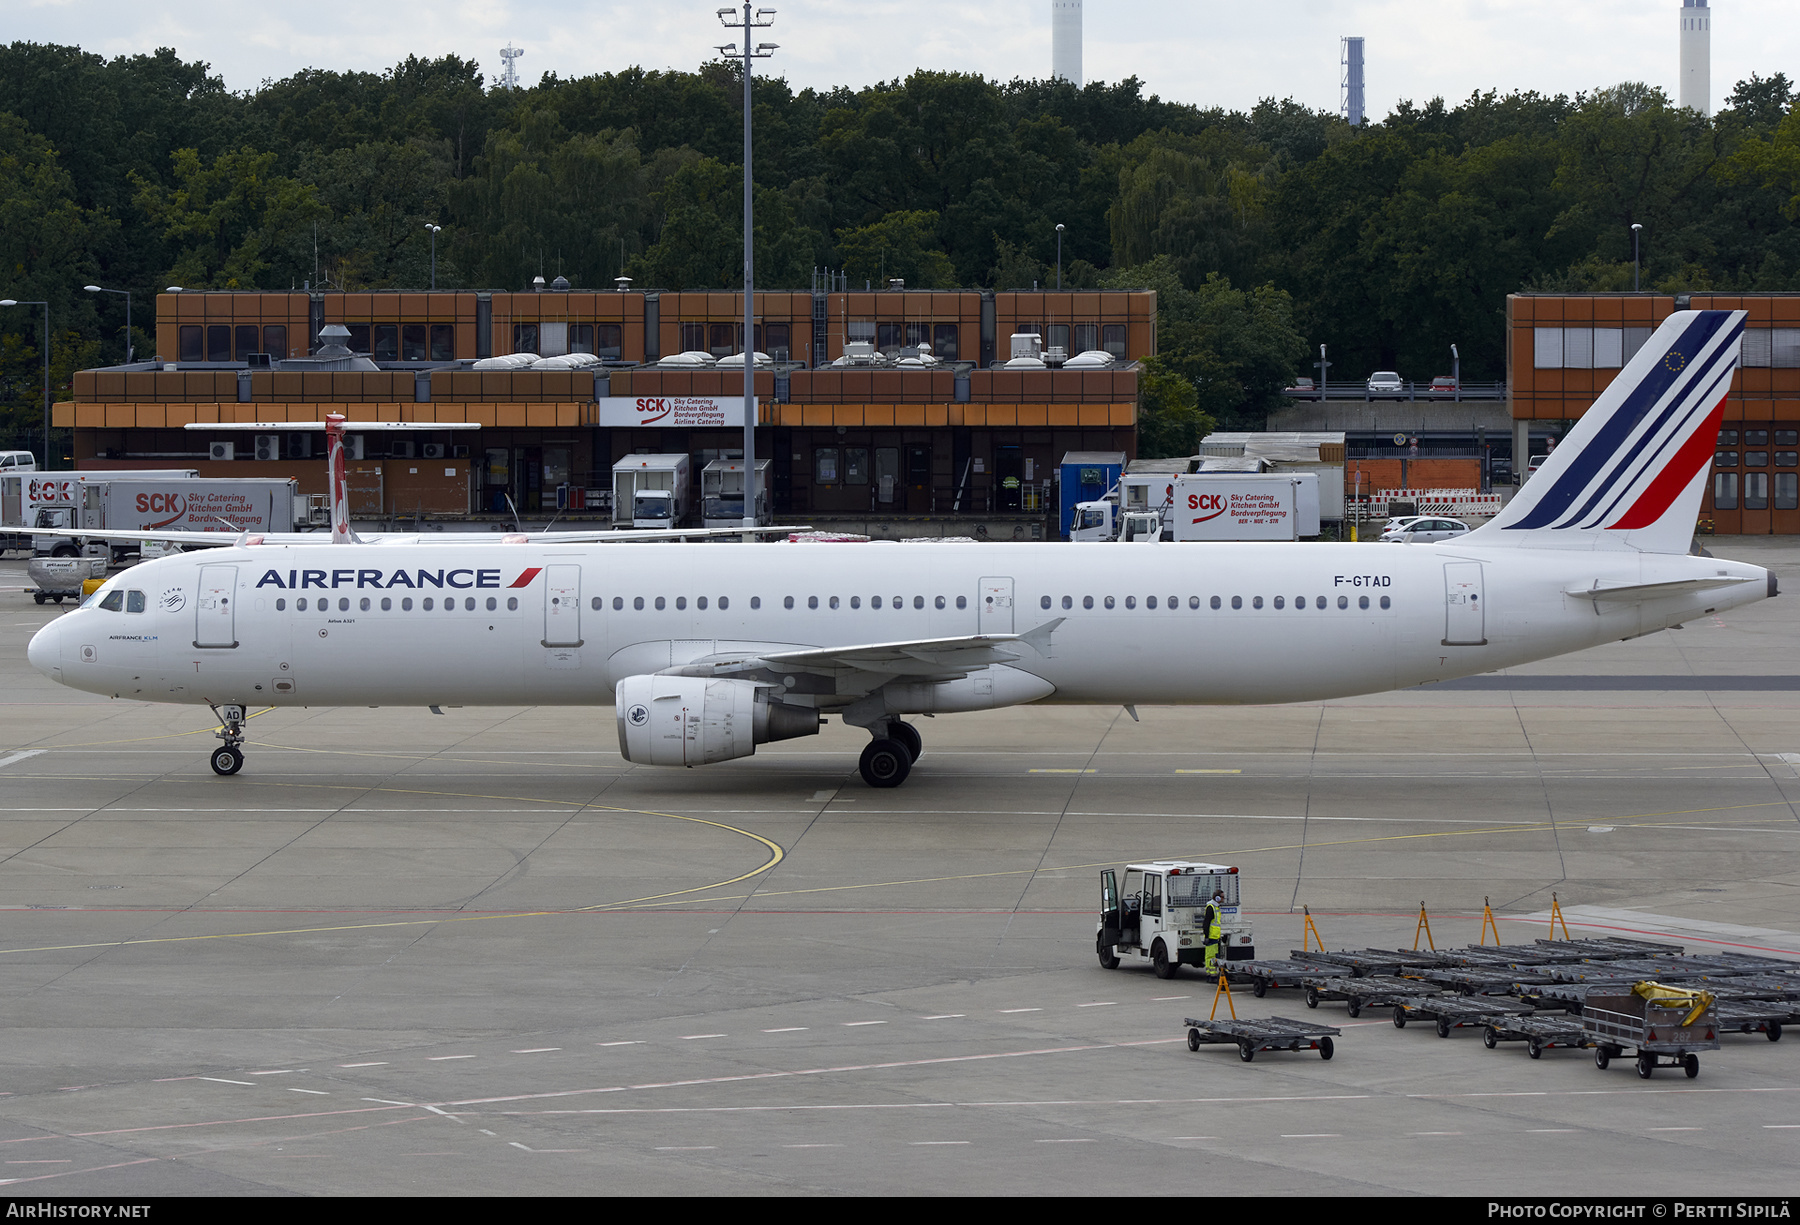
885	763
907	736
227	759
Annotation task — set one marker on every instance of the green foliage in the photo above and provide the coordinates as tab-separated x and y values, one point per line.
901	244
228	220
1170	422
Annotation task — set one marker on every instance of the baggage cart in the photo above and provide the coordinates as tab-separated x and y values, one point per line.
1665	1024
1264	1034
1266	976
1454	1011
1360	993
1540	1033
60	578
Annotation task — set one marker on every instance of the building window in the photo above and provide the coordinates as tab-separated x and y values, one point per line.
275	340
359	337
825	466
1787	491
943	341
693	337
245	338
723	339
1112	339
773	339
1058	338
1756	491
1756	459
1725	486
856	465
387	342
1725	459
413	343
218	342
525	339
191	339
1084	337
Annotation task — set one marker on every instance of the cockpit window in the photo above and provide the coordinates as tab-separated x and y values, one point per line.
114	601
134	601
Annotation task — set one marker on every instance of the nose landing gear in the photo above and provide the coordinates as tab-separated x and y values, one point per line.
228	758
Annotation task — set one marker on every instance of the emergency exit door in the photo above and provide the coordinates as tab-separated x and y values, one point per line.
562	606
1465	621
215	607
996	605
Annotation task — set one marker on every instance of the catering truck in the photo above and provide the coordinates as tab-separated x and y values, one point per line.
1243	506
651	491
23	493
86	504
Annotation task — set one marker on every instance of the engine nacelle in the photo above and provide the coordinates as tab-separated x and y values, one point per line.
693	721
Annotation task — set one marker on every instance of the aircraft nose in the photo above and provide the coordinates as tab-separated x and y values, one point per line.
45	651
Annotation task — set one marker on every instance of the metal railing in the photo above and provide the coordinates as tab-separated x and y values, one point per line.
1409	390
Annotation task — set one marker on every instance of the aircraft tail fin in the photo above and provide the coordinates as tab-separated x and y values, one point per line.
1632	472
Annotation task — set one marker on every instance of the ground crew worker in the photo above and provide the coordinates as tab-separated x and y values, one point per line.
1215	934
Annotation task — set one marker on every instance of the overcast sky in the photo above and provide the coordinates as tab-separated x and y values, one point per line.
1223	54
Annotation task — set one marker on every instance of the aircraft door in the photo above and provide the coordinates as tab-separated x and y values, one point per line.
215	607
1464	618
996	606
562	606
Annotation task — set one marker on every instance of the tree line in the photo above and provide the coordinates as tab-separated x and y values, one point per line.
1265	232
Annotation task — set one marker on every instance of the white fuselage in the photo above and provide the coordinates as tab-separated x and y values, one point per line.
543	624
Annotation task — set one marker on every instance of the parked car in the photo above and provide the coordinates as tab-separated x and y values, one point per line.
1301	387
1443	384
1386	382
1537	461
1500	471
1426	529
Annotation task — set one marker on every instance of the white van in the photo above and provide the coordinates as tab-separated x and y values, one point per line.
17	461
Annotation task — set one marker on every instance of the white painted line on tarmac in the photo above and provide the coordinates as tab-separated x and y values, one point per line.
319	1092
691	1037
1082	1140
685	1148
21	756
1313	1135
383	1101
812	1146
628	1042
1098	1004
537	1050
1008	1010
1677	1129
1209	771
441	1058
791	1029
932	1143
946	1016
1047	770
855	1023
222	1081
378	1064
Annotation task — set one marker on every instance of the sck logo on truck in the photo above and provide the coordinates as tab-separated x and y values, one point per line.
1213	502
160	503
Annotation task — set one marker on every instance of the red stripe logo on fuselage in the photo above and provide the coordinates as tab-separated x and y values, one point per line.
524	580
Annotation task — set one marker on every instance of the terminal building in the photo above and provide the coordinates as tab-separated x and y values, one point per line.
1564	349
899	411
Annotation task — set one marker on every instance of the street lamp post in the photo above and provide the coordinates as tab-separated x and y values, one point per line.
1636	228
1323	366
126	294
762	51
1059	230
46	306
435	230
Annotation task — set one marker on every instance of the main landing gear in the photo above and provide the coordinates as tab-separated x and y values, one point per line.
889	757
228	758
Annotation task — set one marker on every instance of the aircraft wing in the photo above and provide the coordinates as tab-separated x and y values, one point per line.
870	665
1634	593
323	536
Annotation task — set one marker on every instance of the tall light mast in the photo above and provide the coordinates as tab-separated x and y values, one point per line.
1696	56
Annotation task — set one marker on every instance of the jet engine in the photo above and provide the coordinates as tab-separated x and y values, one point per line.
692	720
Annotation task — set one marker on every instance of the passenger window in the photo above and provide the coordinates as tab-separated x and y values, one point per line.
343	603
1194	601
1215	602
1343	601
962	601
1318	601
812	601
427	605
1044	602
1109	601
701	602
512	603
1384	601
618	603
406	603
134	601
1149	601
595	603
918	601
724	603
1068	603
364	604
1256	601
1362	601
1237	601
280	605
834	602
1278	602
469	604
1131	601
1087	601
855	601
755	602
387	604
680	603
940	601
492	604
661	603
638	603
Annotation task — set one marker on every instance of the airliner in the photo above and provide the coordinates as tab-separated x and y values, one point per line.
706	651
